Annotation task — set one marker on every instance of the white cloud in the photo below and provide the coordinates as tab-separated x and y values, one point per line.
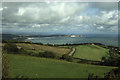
1	9
65	19
100	27
50	13
60	16
21	11
36	26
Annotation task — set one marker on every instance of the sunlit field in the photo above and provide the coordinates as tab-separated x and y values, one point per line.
90	52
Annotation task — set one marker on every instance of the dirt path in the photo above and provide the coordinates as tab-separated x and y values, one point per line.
71	53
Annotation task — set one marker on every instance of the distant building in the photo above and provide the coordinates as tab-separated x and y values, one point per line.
77	36
73	36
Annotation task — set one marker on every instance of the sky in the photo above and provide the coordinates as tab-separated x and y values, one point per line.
60	17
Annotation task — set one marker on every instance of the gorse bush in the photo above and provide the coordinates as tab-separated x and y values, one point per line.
113	60
114	74
5	66
10	48
47	54
67	57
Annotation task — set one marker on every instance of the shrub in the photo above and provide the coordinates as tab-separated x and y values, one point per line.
67	57
5	66
10	48
22	51
47	54
103	59
70	59
112	61
92	77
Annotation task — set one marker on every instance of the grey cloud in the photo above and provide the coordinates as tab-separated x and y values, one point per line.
34	12
105	5
59	16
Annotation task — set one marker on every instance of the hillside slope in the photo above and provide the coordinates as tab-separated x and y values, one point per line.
91	52
34	67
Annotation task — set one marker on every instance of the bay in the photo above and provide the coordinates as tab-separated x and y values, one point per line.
113	41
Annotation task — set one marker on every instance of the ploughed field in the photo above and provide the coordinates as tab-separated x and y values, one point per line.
34	67
91	52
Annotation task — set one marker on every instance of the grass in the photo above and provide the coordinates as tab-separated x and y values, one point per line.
90	52
34	67
56	50
66	46
35	51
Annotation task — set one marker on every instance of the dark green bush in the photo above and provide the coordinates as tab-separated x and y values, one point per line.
5	66
47	54
22	51
112	61
10	48
114	74
67	57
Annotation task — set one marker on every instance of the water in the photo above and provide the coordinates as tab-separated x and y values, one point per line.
63	40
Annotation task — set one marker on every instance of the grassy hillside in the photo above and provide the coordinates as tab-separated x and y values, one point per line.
45	48
90	52
34	67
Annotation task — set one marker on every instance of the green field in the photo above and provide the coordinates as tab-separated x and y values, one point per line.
90	52
34	67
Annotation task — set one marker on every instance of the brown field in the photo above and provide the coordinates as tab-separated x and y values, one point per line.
45	48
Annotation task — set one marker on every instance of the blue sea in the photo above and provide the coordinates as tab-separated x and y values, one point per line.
113	41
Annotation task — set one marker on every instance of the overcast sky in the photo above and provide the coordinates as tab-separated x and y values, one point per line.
60	17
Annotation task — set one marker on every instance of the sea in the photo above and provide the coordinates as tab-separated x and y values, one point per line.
110	41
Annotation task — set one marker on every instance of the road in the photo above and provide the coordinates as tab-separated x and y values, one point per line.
71	53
